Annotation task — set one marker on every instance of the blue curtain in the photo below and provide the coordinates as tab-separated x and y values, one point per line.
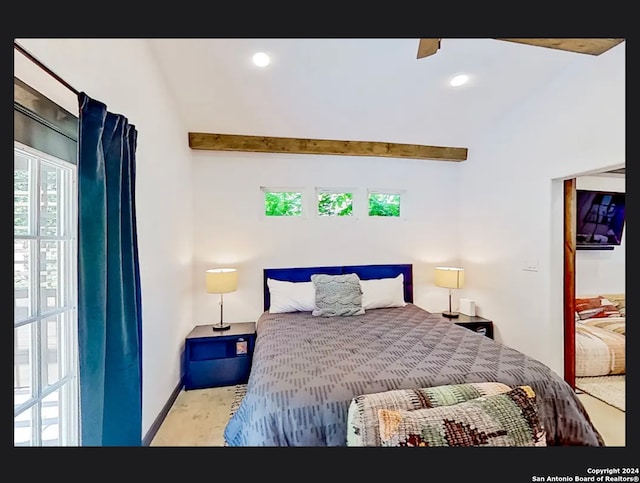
109	302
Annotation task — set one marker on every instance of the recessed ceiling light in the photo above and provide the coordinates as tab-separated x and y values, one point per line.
459	80
261	59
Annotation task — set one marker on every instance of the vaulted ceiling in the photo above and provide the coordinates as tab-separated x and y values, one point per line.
356	89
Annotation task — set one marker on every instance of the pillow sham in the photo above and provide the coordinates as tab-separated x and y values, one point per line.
507	419
617	299
595	307
290	296
337	295
383	292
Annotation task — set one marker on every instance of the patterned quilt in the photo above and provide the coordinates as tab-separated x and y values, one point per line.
506	419
363	417
306	370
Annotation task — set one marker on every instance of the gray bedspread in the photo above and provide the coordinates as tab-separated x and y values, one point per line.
307	369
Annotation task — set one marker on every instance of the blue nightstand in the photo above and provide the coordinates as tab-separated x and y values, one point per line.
215	358
475	323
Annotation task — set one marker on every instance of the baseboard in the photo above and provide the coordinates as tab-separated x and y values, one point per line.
163	414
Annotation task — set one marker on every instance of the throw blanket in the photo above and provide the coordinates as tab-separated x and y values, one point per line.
506	419
615	324
600	348
306	370
363	422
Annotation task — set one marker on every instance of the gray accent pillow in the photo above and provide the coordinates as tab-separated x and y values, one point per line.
337	295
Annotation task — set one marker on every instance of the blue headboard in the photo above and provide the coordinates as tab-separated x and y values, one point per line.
365	272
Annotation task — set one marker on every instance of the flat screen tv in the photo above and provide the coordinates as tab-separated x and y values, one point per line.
600	218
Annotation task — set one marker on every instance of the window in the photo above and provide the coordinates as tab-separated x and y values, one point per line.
45	294
384	204
282	203
335	203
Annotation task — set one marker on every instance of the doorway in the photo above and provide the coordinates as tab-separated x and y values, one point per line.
569	196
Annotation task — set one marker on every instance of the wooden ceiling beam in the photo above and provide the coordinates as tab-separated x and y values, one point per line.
427	47
266	144
582	46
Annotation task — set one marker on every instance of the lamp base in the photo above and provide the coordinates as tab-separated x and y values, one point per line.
450	315
221	327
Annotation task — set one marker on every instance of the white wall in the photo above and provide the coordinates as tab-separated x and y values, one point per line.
232	230
601	271
122	74
511	193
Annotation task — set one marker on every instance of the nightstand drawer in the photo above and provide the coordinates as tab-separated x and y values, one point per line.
215	349
217	372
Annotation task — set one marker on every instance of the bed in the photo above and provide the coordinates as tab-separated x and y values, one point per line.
600	336
307	369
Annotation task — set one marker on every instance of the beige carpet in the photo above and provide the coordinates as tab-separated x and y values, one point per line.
610	389
197	418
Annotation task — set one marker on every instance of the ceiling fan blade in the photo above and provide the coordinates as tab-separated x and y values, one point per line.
428	47
582	46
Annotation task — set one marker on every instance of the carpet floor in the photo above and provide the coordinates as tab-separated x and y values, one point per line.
609	389
197	418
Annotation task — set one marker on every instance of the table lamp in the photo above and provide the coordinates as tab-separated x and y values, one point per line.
449	277
222	280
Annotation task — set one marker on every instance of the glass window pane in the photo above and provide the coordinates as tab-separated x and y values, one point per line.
22	279
21	194
23	428
335	204
50	275
50	200
50	420
382	204
22	363
45	349
51	357
282	203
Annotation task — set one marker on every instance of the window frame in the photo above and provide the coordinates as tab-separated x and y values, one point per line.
304	209
388	191
354	203
65	314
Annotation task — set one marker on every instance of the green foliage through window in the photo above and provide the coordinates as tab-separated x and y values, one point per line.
381	204
335	204
282	203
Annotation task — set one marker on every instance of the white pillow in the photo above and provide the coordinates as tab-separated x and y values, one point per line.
291	296
383	292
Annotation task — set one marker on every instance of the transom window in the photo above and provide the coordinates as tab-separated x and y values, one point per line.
334	203
384	204
331	202
282	203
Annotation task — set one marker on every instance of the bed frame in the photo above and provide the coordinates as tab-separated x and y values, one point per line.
365	272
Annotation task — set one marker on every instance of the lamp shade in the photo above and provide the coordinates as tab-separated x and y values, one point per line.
222	280
449	277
